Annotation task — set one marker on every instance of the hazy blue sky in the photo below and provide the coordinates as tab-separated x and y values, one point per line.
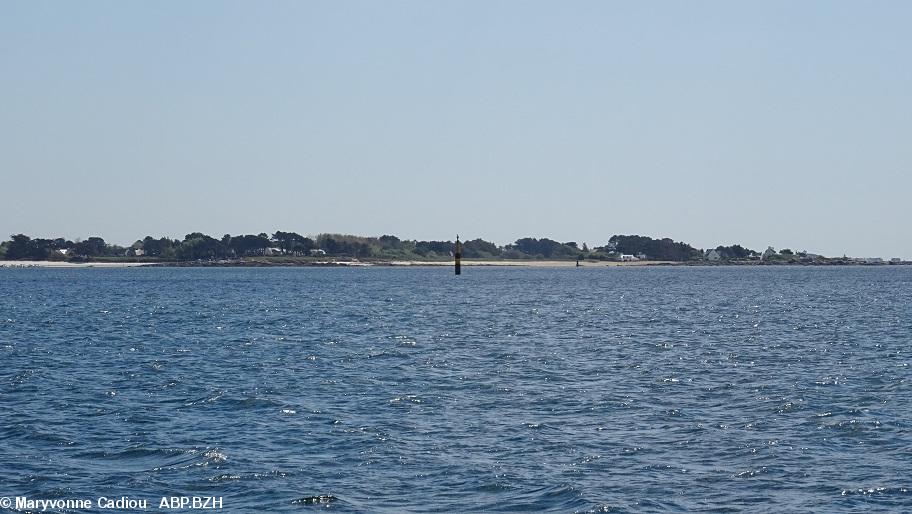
766	123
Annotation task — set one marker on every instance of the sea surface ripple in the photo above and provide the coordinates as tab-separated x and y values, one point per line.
760	389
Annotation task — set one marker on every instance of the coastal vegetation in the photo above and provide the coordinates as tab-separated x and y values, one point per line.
196	246
290	247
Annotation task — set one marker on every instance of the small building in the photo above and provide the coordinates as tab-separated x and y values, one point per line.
896	260
272	251
712	255
867	260
769	252
317	251
628	257
641	256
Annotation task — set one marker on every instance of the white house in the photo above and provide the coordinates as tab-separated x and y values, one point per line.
317	251
712	255
769	252
628	257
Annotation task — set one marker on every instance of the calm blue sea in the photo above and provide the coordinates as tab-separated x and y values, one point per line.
750	389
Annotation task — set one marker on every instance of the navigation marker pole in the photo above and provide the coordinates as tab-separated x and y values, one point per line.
458	255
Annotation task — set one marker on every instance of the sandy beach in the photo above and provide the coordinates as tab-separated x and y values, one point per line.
510	263
533	263
60	264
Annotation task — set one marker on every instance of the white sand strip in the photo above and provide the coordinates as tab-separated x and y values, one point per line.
60	264
532	263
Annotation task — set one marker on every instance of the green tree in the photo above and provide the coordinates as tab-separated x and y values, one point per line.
198	246
22	246
91	247
162	247
480	249
734	252
293	243
544	248
248	245
660	249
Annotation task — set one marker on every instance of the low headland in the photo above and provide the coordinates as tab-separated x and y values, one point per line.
292	249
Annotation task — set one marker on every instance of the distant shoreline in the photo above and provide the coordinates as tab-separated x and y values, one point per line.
293	249
517	263
259	263
66	264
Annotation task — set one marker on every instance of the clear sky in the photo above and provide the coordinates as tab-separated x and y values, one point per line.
767	123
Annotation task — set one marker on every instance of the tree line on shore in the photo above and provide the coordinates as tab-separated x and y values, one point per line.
199	246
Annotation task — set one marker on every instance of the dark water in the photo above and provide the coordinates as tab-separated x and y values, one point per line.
726	389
